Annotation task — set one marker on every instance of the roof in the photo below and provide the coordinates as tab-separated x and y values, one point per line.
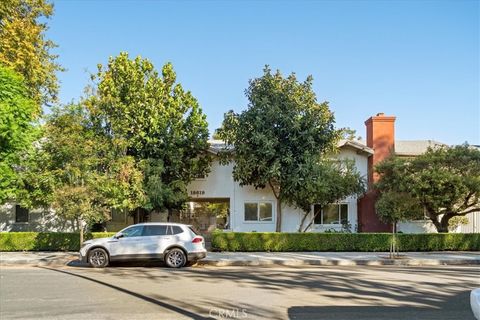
218	145
161	224
358	145
415	147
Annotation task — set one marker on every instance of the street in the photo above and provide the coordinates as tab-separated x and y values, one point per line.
138	292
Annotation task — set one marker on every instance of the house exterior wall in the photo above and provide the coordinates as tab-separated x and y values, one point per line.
40	220
426	226
220	184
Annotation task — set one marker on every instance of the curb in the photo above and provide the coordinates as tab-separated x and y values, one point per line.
73	261
326	262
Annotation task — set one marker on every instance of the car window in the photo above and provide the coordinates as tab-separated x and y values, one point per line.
155	231
192	230
176	230
135	231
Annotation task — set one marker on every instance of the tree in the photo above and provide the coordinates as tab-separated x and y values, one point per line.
163	126
17	129
25	49
394	207
444	181
280	136
80	171
326	182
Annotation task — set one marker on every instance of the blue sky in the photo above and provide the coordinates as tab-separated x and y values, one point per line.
417	60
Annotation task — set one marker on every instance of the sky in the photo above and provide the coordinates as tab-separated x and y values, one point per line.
417	60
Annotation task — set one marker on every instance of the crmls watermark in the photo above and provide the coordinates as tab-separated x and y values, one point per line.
234	313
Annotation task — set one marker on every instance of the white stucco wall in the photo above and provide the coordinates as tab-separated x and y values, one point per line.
220	184
426	226
417	226
40	220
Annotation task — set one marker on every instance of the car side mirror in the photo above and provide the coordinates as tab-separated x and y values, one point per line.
119	235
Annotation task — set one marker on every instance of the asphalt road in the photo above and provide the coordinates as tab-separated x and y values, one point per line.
125	292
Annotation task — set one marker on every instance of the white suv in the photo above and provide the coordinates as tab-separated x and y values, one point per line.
176	244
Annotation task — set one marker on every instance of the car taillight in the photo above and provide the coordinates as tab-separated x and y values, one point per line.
197	240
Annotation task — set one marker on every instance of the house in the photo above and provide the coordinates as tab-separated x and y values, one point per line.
381	138
217	201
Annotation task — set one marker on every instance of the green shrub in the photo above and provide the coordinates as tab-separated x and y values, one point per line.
44	241
366	242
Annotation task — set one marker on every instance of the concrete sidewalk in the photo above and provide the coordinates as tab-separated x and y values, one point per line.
270	258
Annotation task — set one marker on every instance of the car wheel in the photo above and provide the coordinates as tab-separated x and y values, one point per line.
175	258
98	258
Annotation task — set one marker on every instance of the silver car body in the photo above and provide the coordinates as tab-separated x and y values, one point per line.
147	241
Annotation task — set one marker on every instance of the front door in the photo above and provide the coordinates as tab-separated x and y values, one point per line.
129	245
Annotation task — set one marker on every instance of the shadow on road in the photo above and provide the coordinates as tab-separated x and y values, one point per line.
381	312
436	289
158	300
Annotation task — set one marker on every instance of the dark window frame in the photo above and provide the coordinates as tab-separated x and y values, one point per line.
25	216
258	204
319	218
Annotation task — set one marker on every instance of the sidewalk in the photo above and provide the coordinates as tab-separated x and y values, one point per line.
221	259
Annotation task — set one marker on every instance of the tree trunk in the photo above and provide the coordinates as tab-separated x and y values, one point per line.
438	224
444	223
279	215
80	227
303	221
311	221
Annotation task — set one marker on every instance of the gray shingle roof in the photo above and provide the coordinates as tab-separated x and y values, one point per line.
415	147
218	145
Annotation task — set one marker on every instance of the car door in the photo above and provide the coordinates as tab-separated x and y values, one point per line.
129	245
156	238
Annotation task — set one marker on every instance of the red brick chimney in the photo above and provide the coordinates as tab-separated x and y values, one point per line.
381	138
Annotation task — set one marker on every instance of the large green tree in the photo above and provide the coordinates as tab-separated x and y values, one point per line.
445	182
25	49
79	171
162	124
280	137
17	129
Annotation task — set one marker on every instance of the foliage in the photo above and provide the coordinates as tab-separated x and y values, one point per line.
393	207
17	129
80	171
45	241
444	181
162	124
327	182
280	137
367	242
25	49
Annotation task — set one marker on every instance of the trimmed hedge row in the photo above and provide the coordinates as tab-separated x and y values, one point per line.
266	241
366	242
45	241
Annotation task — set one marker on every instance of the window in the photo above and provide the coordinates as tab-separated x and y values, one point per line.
331	214
21	214
135	231
154	231
175	230
258	211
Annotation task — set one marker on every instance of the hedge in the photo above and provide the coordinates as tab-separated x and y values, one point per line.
366	242
45	241
266	241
